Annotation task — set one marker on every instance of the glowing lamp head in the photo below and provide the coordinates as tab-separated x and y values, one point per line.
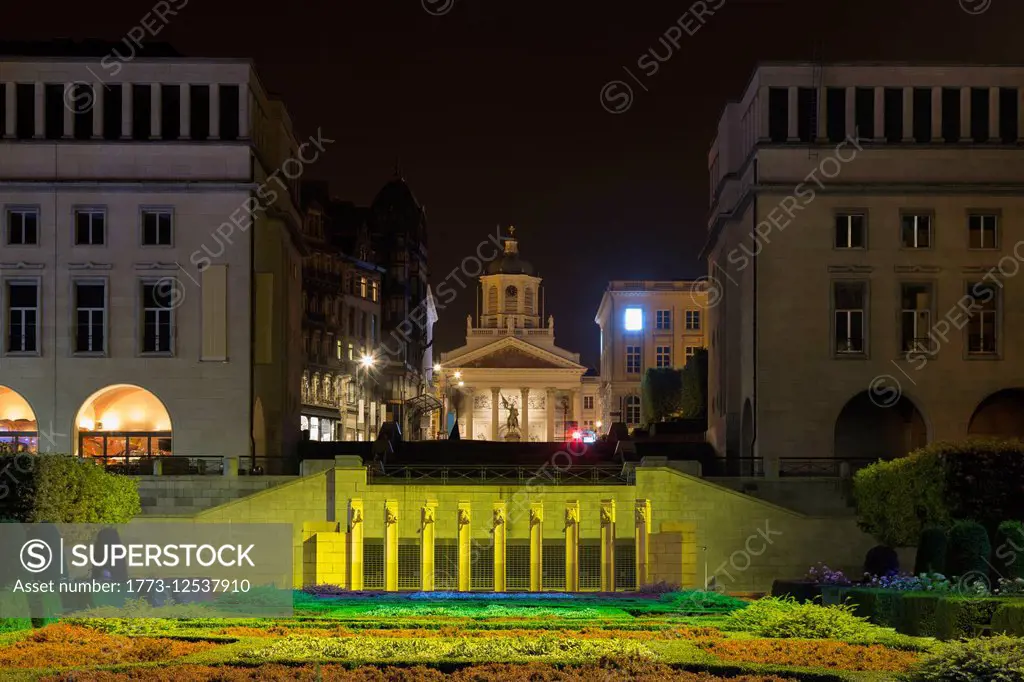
437	367
367	361
461	384
577	435
598	424
458	375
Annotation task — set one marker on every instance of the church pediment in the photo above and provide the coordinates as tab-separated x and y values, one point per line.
512	358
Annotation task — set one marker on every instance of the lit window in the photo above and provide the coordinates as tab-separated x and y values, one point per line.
374	291
588	402
849	233
338	348
634	319
362	287
917	232
848	301
632	410
632	359
915	317
663	356
984	231
692	320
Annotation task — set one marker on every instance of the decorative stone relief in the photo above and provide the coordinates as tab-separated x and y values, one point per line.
498	517
482	401
391	515
536	401
536	515
463	517
572	516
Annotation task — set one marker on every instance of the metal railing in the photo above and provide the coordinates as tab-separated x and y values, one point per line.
591	474
821	466
170	465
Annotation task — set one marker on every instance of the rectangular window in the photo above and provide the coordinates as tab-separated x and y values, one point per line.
229	112
690	351
634	319
22	226
922	115
864	112
588	402
692	320
663	356
25	111
90	227
778	115
53	111
850	232
982	327
112	113
979	114
374	291
835	104
351	352
199	112
807	114
156	227
848	303
157	315
663	319
916	231
142	111
893	114
632	359
338	349
951	114
362	287
916	302
1008	105
632	409
984	231
90	317
22	317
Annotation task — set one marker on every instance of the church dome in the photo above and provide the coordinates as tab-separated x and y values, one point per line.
510	262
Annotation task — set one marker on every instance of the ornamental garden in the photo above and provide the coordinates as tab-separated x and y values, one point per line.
956	613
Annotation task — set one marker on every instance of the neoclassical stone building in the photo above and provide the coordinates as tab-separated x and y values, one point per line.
510	381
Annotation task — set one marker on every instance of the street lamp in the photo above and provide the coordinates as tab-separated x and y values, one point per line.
366	362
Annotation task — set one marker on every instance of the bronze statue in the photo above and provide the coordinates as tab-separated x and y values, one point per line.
512	423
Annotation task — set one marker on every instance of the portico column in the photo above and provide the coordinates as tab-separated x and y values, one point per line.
355	547
10	104
214	111
643	541
498	516
524	427
98	94
156	111
428	512
70	95
572	546
549	404
185	112
40	113
577	407
608	545
468	402
127	123
391	545
536	546
465	547
495	397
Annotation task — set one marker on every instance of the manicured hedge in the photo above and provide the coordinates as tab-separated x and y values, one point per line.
978	479
931	551
1009	540
926	614
65	489
969	550
1009	618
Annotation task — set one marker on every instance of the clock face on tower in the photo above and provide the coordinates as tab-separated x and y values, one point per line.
510	291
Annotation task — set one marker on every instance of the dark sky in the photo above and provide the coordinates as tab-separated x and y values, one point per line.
495	110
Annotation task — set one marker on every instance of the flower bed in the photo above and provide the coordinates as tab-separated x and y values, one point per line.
71	646
811	653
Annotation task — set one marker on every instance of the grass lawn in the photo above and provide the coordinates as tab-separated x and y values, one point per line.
596	638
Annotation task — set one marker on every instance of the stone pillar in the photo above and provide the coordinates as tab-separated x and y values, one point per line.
822	132
642	513
214	111
851	112
467	405
572	546
607	545
524	425
98	93
185	114
498	517
577	407
391	545
936	114
243	110
427	514
762	113
156	111
993	115
495	398
126	111
39	132
965	114
1020	115
70	102
908	114
465	548
355	544
536	546
793	119
10	102
549	405
879	114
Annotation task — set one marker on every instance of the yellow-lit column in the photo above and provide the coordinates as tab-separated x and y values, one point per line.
465	549
498	522
643	541
536	546
572	545
427	545
607	545
355	547
391	545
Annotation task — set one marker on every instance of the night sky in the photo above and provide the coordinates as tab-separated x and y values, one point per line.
495	111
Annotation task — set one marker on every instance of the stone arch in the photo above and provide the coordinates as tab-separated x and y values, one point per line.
878	426
999	414
122	421
19	430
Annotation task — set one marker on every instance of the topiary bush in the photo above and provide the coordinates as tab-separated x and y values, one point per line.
881	560
957	617
1009	618
931	551
968	551
65	489
996	658
787	618
1009	542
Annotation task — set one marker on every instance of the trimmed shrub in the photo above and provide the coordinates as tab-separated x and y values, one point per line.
995	658
931	551
65	489
881	560
1009	541
786	618
1009	618
968	551
881	607
957	617
917	614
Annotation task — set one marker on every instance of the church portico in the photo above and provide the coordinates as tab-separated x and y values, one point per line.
510	382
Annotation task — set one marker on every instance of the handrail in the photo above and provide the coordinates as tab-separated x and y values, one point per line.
588	474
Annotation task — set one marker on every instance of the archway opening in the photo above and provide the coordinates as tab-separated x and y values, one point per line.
870	430
1001	414
19	431
121	423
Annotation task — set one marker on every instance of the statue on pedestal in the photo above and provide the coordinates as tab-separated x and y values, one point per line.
512	432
